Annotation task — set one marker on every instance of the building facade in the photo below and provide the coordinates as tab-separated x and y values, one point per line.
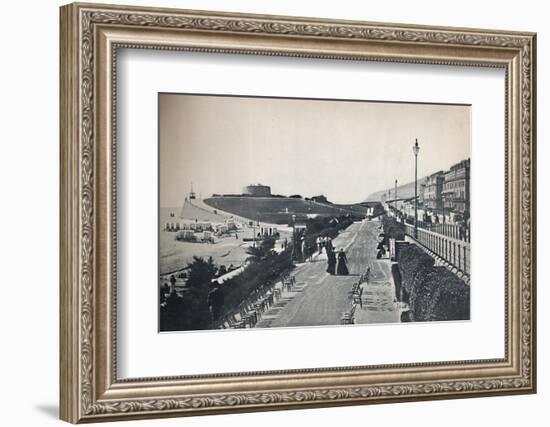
433	188
456	188
421	193
257	190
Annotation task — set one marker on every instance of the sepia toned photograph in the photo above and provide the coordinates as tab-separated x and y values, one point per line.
291	212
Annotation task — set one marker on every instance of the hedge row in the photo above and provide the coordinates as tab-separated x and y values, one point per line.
259	273
433	293
392	229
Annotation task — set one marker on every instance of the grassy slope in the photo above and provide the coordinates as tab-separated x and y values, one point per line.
274	209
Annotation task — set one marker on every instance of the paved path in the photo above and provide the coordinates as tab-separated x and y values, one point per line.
320	299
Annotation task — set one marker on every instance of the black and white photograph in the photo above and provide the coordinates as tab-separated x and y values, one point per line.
290	212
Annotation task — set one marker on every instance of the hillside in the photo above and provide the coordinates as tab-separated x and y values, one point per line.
279	210
403	191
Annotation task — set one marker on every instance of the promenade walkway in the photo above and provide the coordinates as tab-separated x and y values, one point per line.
320	299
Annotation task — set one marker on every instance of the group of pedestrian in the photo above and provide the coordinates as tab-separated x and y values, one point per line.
323	242
337	261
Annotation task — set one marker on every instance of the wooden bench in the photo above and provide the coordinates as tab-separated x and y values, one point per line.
348	317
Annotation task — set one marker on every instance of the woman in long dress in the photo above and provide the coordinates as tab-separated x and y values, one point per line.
331	261
342	268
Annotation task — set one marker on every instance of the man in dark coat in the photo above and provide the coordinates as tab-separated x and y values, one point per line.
172	283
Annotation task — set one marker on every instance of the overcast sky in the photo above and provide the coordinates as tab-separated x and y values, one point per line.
342	149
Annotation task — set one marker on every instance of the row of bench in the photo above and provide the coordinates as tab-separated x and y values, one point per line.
356	295
260	300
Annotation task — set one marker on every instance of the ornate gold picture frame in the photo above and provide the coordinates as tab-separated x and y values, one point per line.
91	34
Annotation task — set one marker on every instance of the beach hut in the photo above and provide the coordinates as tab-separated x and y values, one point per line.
207	236
221	229
185	235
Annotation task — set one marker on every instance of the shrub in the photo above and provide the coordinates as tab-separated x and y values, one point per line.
261	251
451	296
433	293
190	312
392	229
222	270
414	264
201	272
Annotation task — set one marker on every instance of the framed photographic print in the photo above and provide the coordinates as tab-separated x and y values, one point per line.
264	212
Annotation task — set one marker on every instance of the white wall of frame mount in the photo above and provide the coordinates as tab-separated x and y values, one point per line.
141	347
29	172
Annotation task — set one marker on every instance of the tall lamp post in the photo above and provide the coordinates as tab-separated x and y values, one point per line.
416	149
293	255
395	199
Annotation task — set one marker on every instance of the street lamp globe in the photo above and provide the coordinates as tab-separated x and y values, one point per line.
416	147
